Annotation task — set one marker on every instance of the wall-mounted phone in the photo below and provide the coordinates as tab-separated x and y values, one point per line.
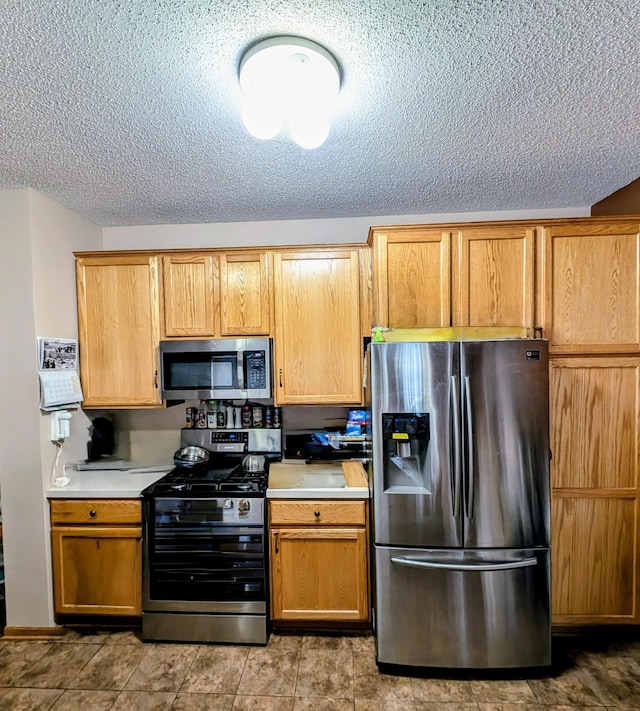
60	425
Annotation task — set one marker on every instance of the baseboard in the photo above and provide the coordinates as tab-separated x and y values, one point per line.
33	632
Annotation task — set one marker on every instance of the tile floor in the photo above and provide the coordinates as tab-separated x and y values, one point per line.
96	671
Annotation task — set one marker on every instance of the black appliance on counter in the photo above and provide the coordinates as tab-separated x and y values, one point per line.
204	542
314	446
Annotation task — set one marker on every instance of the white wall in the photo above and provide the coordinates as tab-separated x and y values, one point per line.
333	231
37	292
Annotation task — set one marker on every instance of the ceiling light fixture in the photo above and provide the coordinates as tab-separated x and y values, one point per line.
289	82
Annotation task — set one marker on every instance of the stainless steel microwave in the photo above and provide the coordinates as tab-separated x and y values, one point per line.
224	369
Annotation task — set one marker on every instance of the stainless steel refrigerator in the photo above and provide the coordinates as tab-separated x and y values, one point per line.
461	503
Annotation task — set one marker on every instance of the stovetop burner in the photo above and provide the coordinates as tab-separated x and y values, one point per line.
207	481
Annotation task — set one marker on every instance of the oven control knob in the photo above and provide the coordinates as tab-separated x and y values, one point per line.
228	504
244	506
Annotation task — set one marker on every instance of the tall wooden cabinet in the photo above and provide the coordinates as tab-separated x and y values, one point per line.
591	315
318	344
595	440
119	330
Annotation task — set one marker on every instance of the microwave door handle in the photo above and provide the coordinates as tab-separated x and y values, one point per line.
240	364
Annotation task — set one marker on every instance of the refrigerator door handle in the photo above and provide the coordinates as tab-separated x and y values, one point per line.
457	456
470	448
478	567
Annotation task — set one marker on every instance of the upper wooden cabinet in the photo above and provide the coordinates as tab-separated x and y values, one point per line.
592	286
244	294
411	277
188	291
216	294
475	275
118	324
493	276
318	342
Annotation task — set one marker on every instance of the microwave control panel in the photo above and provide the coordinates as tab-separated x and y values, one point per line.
255	370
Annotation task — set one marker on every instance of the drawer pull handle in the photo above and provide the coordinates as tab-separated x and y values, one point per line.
316	514
92	514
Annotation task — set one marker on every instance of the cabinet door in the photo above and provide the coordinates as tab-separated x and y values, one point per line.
595	435
592	287
411	278
244	294
318	345
189	295
493	277
97	570
319	574
118	323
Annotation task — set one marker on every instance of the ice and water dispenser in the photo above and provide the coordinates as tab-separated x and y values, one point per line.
405	438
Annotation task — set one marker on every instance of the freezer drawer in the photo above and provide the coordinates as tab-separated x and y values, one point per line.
461	609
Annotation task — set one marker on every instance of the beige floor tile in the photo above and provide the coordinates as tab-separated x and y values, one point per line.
500	691
326	642
364	643
17	657
371	683
144	701
386	705
285	641
203	702
216	670
29	699
573	687
262	703
511	707
85	700
163	667
59	666
270	672
324	672
616	681
110	668
319	704
441	690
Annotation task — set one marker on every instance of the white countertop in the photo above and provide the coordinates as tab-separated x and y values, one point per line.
106	484
294	479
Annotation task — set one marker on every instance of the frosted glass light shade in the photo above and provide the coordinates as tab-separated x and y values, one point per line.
289	81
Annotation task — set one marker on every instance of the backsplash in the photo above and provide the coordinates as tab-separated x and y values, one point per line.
152	436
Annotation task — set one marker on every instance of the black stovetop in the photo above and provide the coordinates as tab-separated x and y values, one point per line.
225	478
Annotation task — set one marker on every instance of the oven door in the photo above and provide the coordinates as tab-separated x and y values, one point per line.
194	562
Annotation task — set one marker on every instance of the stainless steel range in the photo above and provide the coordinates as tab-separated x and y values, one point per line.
204	554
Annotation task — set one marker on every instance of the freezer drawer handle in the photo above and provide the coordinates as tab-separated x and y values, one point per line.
408	563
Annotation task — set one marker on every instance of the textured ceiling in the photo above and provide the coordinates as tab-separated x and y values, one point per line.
127	111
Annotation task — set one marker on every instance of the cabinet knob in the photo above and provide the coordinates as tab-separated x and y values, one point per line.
316	514
92	514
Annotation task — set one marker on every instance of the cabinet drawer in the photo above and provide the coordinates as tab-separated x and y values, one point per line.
318	513
101	511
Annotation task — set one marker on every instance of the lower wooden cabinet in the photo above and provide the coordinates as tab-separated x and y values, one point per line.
319	561
595	535
96	548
